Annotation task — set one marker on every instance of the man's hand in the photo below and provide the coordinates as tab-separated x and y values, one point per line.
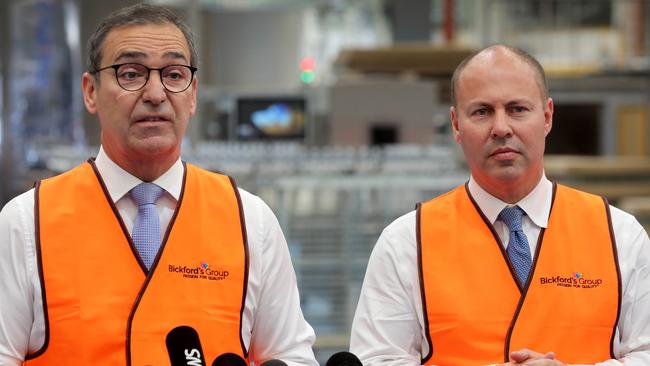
532	358
529	357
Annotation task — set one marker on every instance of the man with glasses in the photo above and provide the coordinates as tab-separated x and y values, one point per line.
135	257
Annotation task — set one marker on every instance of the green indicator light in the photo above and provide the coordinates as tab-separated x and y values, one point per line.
308	77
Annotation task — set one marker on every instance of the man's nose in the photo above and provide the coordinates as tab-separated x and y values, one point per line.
501	125
154	91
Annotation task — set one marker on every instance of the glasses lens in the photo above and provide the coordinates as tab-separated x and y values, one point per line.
176	78
132	76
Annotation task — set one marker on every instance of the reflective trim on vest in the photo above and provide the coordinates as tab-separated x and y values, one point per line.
101	306
475	313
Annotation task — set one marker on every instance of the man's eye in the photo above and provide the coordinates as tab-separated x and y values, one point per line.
174	75
481	112
130	75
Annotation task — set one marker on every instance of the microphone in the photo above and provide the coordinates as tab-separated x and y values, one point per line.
229	359
184	347
273	363
343	359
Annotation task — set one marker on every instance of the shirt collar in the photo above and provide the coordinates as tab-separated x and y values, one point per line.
119	182
537	204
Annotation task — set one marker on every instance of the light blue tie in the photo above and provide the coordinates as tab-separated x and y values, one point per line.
518	248
146	229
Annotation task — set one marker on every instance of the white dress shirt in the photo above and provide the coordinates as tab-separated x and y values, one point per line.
388	326
273	324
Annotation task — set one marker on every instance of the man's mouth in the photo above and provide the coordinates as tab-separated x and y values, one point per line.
152	119
504	153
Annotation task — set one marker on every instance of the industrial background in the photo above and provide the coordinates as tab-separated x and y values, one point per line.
336	111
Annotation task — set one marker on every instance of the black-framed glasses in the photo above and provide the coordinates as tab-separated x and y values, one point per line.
134	76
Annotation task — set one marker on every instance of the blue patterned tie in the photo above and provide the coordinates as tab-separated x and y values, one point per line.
146	229
518	248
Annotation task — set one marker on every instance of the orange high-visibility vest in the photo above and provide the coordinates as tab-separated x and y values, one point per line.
475	311
102	307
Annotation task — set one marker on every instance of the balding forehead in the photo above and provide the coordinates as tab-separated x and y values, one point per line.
498	54
495	55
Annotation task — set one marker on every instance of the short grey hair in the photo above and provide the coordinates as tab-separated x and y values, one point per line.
139	14
524	56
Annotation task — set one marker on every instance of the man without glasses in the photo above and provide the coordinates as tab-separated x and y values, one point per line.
472	277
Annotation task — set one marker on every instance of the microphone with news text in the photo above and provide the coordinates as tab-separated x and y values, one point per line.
343	359
184	347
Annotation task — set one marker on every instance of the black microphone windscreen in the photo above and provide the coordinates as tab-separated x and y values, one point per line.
229	359
343	359
273	363
184	347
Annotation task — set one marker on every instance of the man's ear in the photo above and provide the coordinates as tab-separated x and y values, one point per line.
548	116
193	102
453	115
89	89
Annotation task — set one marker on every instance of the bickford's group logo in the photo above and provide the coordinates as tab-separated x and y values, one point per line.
575	280
202	272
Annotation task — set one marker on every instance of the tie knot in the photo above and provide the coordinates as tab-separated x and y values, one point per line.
146	193
511	216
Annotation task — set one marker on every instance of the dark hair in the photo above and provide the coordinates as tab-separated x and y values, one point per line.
524	56
139	14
